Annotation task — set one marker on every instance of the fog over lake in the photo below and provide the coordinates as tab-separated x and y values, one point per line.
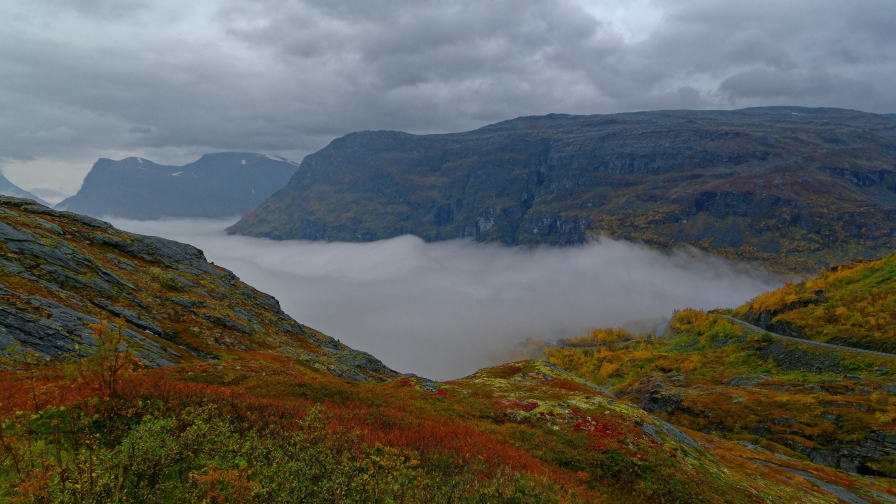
443	310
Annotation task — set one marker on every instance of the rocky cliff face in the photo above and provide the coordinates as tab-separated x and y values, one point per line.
60	272
217	185
789	186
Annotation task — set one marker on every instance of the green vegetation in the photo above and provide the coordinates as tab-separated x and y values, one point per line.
851	305
715	376
265	428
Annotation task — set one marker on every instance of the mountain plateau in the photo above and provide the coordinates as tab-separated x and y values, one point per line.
794	188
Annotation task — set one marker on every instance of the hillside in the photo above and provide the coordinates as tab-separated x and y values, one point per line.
834	408
217	185
792	187
7	188
135	371
62	273
852	305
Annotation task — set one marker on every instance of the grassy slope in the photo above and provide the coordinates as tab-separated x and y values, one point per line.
714	376
834	407
263	428
852	305
169	303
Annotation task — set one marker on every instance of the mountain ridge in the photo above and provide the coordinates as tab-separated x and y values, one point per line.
791	187
221	184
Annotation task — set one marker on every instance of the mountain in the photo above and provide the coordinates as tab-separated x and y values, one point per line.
792	187
136	371
7	188
216	185
61	272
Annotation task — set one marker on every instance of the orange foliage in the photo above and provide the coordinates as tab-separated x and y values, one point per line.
599	337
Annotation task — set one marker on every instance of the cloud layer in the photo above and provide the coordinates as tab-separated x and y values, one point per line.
171	80
445	309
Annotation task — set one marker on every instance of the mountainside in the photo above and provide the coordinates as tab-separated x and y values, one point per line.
852	305
61	274
820	386
831	407
216	185
792	187
7	188
136	371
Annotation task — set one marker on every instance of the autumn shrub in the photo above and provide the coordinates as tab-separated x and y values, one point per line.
202	454
109	360
854	305
599	337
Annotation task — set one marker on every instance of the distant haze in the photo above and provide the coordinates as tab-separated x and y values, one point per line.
443	310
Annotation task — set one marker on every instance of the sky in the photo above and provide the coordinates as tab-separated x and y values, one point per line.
170	80
443	310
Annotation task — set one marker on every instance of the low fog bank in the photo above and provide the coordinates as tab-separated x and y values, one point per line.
443	310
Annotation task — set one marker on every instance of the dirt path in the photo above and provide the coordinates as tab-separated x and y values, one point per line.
836	490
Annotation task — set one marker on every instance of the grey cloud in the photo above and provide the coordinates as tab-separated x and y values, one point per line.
445	309
171	80
766	83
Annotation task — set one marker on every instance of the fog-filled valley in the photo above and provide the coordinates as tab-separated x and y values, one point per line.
559	251
443	310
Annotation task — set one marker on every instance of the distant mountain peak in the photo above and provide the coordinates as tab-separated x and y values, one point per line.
219	184
7	188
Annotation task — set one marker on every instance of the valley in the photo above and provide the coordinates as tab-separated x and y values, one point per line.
709	412
134	369
448	252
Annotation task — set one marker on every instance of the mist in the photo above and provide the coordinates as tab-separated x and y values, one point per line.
443	310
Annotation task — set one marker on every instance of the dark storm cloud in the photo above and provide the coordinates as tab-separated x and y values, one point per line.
171	80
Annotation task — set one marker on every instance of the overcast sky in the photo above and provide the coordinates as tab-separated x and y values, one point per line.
170	80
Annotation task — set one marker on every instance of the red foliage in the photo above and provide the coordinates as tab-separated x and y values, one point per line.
526	406
439	436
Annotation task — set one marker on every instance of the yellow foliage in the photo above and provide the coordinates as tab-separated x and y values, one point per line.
854	302
607	369
599	337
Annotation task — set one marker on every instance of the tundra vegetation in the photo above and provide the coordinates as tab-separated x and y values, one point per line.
135	371
830	406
